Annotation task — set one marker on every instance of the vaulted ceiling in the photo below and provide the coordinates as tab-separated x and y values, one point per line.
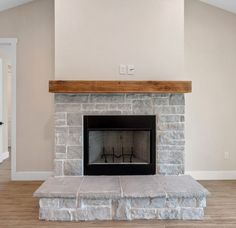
229	5
7	4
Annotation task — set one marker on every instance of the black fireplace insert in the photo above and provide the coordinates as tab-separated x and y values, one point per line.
120	145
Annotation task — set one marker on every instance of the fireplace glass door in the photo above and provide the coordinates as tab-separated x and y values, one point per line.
119	145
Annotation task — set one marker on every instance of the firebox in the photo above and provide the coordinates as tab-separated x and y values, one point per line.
120	145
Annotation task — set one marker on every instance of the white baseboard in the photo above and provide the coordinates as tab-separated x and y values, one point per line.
4	156
30	176
213	175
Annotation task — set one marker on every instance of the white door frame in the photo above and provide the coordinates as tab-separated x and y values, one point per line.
11	42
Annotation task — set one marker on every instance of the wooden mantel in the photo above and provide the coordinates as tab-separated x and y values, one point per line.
69	86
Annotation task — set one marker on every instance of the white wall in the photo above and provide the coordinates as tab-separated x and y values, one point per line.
210	60
93	37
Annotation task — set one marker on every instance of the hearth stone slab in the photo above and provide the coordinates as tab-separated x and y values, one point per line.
100	187
121	198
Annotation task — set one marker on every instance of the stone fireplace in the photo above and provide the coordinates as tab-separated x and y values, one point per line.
71	109
119	153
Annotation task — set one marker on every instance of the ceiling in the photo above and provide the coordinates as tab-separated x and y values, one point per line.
229	5
7	4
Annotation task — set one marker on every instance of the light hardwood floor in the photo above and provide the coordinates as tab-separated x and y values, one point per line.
18	209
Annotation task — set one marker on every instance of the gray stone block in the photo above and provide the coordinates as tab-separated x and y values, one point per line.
74	136
59	187
142	107
138	96
177	99
60	149
121	107
170	118
141	187
95	202
61	138
105	98
60	156
121	209
58	167
161	101
143	213
172	202
159	95
170	169
73	167
103	107
61	129
158	202
71	98
88	107
148	202
170	126
60	115
74	152
52	203
102	187
74	119
167	157
60	123
67	203
45	214
192	213
67	108
169	213
162	110
172	148
93	213
61	215
188	202
169	135
201	202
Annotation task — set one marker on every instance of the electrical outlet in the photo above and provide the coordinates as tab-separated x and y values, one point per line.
226	155
123	69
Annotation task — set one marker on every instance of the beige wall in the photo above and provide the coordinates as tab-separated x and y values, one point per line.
33	25
210	60
93	37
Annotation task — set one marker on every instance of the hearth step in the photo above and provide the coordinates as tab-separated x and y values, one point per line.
121	198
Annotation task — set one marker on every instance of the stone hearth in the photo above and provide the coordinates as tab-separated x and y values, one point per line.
169	110
121	198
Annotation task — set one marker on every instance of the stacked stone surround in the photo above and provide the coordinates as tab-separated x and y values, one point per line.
70	108
121	198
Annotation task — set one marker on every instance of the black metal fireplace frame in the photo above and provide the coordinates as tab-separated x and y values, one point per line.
114	123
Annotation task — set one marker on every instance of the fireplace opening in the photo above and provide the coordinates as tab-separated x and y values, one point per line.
119	145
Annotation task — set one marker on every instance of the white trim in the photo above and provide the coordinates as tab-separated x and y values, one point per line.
213	175
4	156
12	45
31	176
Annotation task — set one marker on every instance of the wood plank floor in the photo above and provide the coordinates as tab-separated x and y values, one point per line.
18	209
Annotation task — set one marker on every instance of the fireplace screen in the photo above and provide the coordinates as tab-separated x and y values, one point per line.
119	145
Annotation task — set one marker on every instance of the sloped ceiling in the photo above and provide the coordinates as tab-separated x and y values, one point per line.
7	4
228	5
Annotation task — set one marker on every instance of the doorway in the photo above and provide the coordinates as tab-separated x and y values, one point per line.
8	104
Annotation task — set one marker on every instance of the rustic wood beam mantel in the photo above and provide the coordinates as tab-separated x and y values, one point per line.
70	86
